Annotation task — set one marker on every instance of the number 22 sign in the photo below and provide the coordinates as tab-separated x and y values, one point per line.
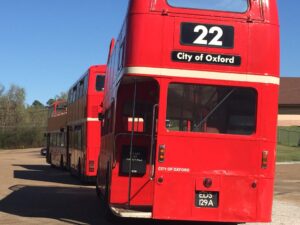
219	36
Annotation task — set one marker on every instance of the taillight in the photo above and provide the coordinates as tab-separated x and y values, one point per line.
264	161
162	153
91	166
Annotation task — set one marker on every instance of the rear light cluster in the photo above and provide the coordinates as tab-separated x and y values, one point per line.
162	153
264	161
91	166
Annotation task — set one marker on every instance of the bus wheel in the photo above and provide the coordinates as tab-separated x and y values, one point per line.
109	216
98	192
79	173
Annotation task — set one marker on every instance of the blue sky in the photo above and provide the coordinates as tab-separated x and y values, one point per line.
45	45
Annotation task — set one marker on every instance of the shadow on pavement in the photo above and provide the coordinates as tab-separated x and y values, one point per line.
156	222
44	173
72	205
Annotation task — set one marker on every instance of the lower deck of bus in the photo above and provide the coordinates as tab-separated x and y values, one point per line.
197	145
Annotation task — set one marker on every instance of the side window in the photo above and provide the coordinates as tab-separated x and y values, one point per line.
78	91
55	139
78	137
69	138
62	139
107	123
51	140
81	87
111	121
100	82
74	94
58	140
69	96
121	57
85	84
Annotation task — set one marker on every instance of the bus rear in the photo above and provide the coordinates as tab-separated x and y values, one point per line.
85	99
194	111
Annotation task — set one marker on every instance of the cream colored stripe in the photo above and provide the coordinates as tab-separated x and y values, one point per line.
83	121
265	79
289	117
92	119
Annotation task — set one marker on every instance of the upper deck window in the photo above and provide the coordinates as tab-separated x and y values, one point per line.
100	83
238	6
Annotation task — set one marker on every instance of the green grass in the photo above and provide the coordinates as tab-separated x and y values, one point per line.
291	128
287	154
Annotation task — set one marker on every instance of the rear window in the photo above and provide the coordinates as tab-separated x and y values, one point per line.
100	83
239	6
211	109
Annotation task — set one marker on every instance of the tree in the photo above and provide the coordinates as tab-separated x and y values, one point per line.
2	89
62	96
20	125
38	104
50	102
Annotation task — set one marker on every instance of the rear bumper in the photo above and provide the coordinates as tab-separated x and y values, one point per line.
239	199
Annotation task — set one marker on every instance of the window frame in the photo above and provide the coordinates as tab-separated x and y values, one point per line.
102	77
185	132
207	9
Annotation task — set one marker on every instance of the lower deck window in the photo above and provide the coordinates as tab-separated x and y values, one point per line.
211	109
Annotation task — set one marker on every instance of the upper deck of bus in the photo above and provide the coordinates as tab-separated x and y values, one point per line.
87	93
57	116
164	34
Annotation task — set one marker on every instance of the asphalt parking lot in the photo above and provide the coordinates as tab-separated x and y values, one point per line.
31	192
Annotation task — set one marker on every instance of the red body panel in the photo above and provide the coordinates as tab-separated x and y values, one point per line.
83	116
140	72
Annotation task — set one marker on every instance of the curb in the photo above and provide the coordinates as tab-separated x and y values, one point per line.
288	163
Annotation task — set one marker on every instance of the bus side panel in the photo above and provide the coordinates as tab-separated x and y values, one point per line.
263	54
265	199
269	111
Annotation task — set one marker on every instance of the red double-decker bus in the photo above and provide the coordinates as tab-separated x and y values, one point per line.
83	126
190	111
56	134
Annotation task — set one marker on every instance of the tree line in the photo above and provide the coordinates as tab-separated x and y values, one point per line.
22	125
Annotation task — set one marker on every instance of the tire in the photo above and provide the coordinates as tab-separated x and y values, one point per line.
80	176
98	192
108	214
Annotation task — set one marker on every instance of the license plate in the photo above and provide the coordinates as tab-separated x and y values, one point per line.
207	199
209	35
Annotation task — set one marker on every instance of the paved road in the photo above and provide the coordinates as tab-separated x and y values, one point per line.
31	192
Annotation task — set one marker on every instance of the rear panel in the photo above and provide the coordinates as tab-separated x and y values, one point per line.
207	176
